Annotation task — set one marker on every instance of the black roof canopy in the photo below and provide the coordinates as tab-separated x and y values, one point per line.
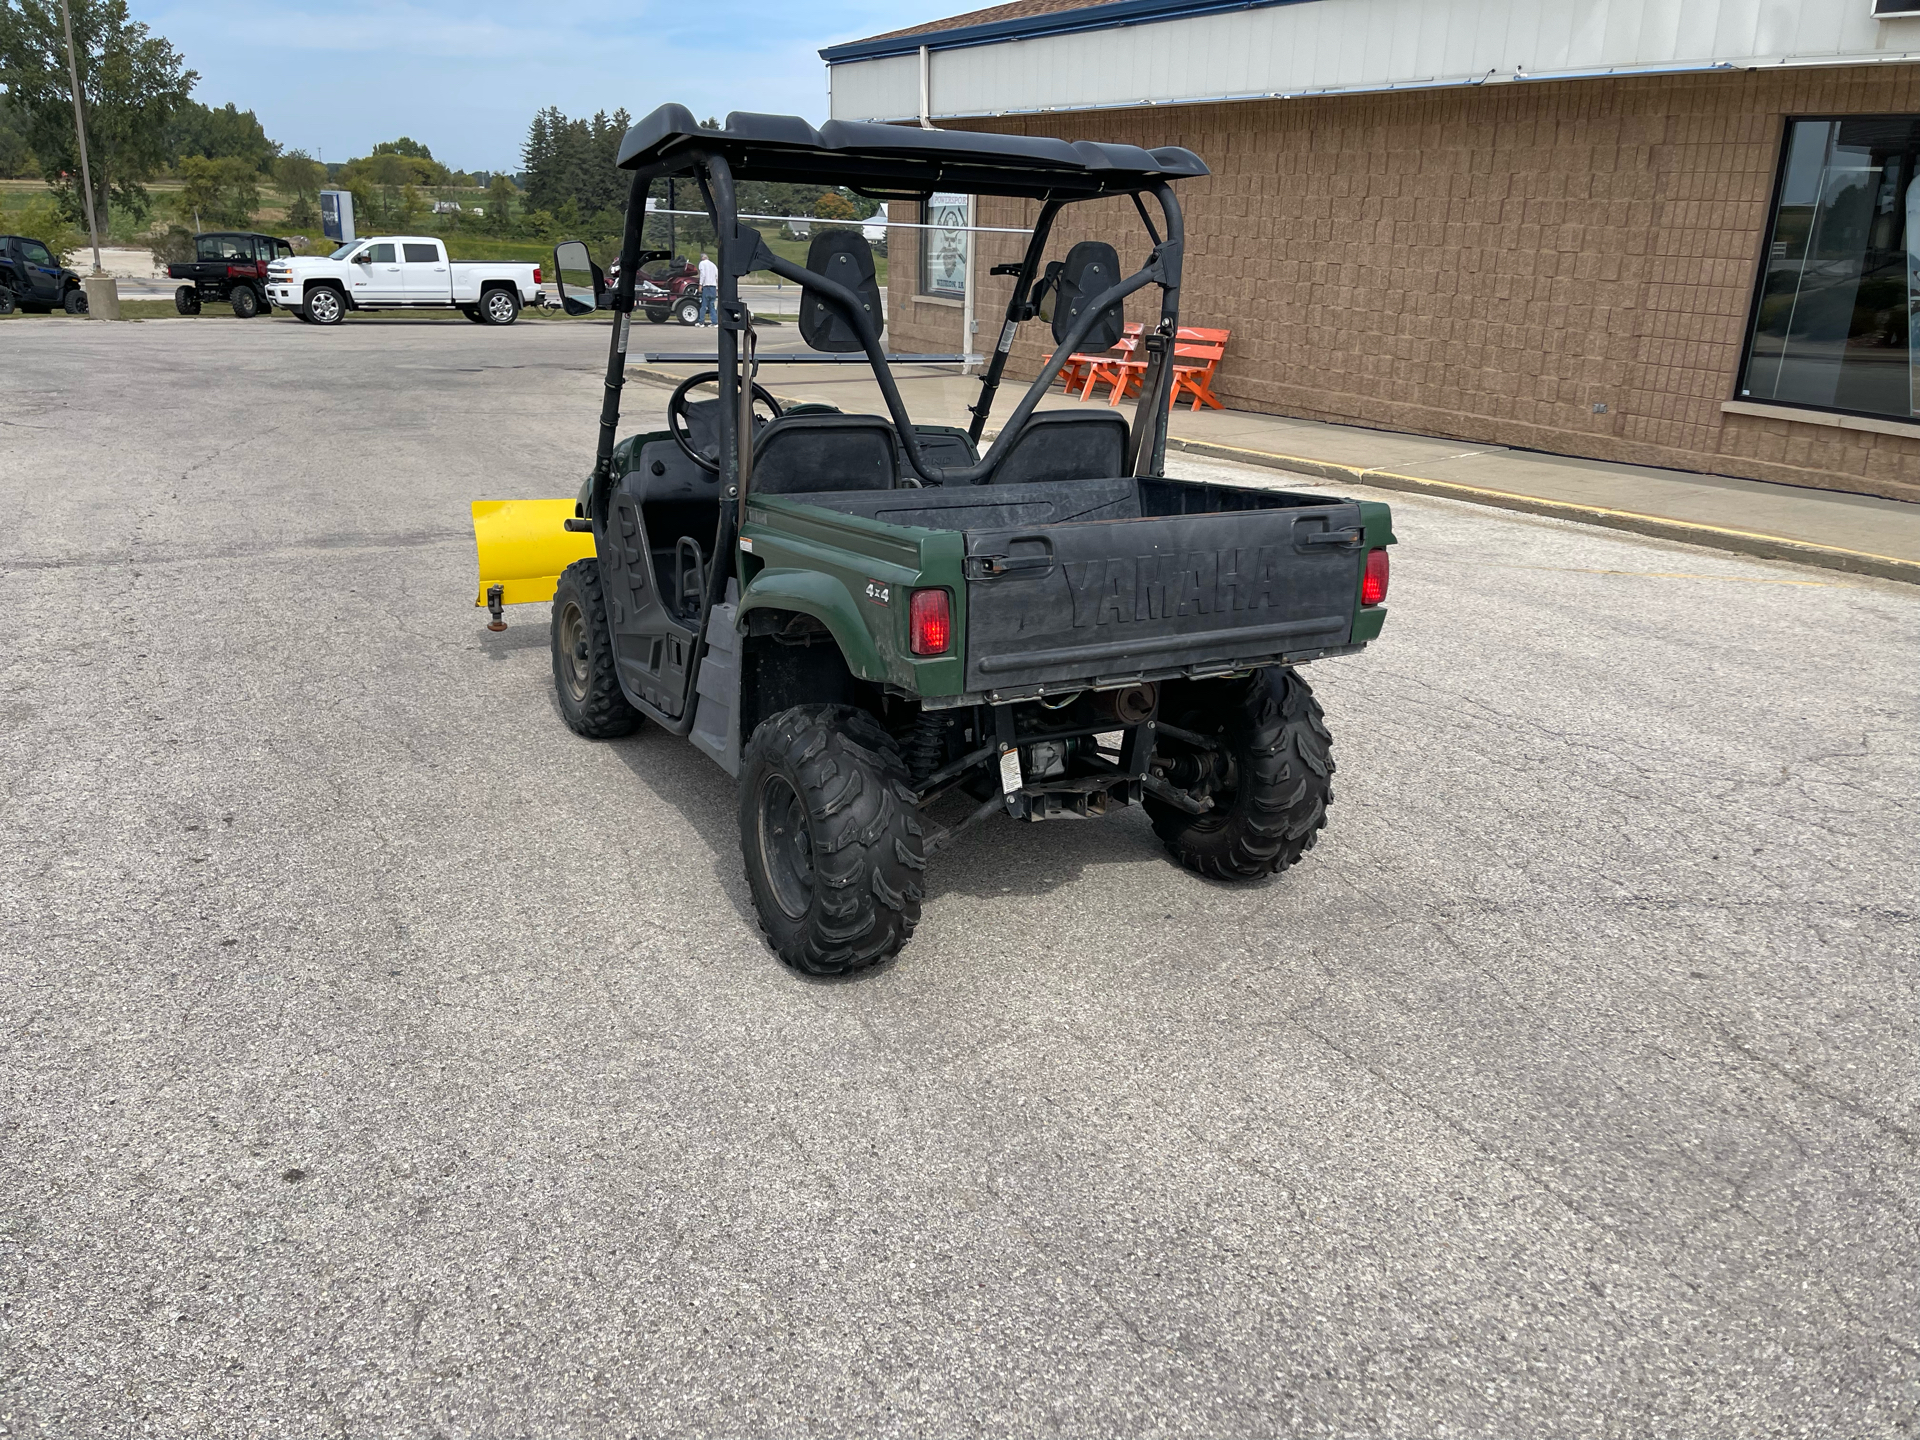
900	158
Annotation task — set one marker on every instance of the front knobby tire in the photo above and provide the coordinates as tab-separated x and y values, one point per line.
832	839
591	701
1280	781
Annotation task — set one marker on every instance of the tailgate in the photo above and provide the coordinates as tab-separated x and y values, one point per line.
1108	600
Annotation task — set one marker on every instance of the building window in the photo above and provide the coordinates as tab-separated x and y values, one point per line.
943	249
1841	277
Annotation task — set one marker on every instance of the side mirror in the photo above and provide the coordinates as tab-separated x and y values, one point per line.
365	257
575	272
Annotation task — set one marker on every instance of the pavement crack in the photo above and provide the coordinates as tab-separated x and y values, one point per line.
1808	1085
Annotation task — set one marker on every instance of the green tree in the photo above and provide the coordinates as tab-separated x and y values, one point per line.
412	207
132	83
500	198
42	219
300	177
218	192
421	167
411	149
219	134
16	156
575	160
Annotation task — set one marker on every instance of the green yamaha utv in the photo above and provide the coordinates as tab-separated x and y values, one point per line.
869	621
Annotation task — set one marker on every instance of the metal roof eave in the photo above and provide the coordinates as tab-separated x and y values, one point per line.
1111	16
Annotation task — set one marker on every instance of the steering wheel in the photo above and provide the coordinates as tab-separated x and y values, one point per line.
677	425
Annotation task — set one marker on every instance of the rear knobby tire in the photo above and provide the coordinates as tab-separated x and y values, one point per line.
591	701
832	840
245	301
1283	771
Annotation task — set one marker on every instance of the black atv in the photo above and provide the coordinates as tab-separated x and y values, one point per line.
32	277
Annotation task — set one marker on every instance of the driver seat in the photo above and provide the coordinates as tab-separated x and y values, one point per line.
798	454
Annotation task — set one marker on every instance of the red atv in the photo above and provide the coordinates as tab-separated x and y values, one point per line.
667	290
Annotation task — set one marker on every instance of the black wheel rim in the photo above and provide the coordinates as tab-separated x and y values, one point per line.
575	665
786	846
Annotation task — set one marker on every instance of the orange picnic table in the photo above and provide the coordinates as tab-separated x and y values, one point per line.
1197	353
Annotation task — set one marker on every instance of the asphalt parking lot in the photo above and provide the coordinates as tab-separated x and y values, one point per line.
380	1059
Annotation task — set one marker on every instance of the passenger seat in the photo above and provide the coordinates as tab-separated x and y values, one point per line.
1063	445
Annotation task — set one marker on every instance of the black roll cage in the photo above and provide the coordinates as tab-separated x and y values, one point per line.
743	250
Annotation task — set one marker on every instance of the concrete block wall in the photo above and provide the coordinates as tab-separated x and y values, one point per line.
1487	264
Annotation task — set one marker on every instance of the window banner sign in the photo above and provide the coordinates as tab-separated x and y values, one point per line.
944	248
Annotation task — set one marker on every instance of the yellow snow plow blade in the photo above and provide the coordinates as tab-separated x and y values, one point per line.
523	548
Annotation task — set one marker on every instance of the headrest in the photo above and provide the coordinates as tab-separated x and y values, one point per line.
1091	267
845	257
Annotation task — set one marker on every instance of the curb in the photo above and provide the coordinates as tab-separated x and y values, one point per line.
1741	542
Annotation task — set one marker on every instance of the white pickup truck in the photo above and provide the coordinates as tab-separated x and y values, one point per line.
400	272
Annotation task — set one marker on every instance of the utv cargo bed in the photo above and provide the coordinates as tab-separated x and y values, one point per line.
1101	581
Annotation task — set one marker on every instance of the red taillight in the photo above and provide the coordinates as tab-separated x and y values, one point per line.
1373	585
931	623
536	274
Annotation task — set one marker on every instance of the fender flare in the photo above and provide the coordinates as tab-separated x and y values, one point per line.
827	600
315	282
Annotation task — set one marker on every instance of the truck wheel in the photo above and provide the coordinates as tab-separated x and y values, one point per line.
187	300
245	301
687	312
831	839
472	312
659	316
590	698
74	302
1271	780
499	306
325	305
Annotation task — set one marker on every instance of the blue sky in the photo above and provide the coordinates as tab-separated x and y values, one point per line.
465	78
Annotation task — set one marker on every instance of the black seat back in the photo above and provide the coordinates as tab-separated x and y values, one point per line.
800	453
1064	445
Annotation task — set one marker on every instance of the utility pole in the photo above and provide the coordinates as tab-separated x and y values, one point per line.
80	129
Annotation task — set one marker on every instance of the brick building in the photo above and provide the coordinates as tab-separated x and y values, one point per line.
1669	232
